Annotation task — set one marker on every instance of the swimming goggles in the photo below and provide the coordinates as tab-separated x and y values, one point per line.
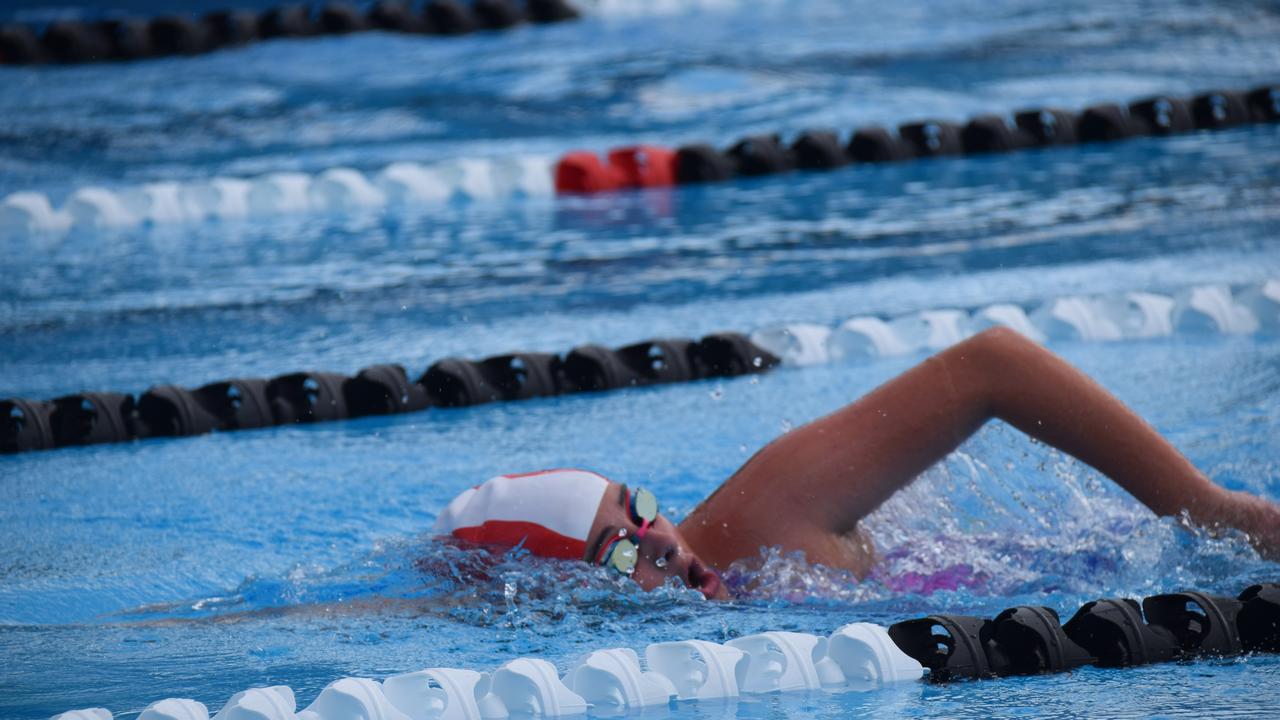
621	552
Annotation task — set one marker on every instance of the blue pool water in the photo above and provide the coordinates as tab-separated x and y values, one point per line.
297	555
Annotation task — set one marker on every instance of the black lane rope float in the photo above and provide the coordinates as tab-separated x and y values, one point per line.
1029	640
119	39
304	397
647	166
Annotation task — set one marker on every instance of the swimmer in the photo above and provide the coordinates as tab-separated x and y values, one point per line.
809	489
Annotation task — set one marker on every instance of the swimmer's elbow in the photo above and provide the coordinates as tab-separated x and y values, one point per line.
1002	340
989	357
980	371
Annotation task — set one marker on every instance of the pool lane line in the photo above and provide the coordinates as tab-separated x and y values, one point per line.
119	39
649	166
89	418
31	215
857	657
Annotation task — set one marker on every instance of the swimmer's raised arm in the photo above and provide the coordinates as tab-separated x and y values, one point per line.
816	482
809	489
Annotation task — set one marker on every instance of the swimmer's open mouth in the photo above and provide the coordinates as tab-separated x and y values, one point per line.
703	579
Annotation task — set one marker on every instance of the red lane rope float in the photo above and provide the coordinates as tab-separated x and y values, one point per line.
647	166
635	166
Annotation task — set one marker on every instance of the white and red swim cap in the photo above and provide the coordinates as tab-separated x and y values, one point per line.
549	513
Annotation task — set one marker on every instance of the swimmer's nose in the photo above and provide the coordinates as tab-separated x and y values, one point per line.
661	548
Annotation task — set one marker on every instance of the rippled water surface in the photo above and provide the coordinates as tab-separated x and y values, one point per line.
296	555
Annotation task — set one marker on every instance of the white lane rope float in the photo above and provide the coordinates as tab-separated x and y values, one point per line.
858	657
336	190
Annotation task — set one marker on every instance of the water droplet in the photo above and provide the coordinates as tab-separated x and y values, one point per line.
757	361
660	562
786	425
742	448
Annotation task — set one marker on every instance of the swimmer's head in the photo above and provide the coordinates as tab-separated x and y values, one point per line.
661	551
576	514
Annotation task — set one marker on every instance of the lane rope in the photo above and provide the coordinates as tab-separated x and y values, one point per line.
89	418
858	657
649	166
115	39
29	215
313	396
26	215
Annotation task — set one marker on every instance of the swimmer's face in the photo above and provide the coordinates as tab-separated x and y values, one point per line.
663	550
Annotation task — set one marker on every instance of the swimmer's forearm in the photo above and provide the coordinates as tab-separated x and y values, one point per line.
1016	380
1047	398
829	474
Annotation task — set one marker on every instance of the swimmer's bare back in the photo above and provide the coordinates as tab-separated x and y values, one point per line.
809	489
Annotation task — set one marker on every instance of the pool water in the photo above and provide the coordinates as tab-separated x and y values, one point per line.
296	555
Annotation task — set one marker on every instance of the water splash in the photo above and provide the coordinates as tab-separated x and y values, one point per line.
433	577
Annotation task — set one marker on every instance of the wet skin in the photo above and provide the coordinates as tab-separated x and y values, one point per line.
663	551
808	490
